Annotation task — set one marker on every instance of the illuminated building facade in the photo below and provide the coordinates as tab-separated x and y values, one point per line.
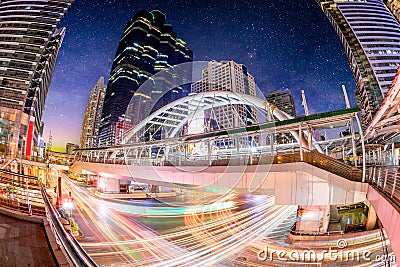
147	46
227	76
70	147
92	117
370	35
29	45
283	99
394	6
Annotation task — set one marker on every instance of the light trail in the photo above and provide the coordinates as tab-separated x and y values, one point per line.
212	234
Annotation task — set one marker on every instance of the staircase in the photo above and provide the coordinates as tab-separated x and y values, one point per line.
332	165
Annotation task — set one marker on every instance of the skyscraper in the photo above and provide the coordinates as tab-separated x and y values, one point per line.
92	117
394	6
70	147
29	45
228	76
371	37
147	46
283	99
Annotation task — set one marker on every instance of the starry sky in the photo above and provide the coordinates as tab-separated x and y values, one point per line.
283	44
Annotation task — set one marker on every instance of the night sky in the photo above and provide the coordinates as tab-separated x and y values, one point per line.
283	44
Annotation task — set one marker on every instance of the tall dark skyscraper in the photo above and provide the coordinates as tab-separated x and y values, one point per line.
29	45
370	35
147	46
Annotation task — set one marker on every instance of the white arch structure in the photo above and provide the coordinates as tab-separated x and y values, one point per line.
176	114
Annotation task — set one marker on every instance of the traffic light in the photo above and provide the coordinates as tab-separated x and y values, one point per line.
55	189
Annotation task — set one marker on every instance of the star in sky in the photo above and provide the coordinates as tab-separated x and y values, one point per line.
283	44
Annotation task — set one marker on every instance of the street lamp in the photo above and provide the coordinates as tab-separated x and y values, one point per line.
69	205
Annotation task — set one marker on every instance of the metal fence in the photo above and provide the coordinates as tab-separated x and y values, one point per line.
21	193
26	194
386	179
67	242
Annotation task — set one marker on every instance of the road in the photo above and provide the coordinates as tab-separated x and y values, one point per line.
212	230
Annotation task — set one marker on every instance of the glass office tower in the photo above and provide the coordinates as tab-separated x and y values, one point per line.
370	35
29	45
148	45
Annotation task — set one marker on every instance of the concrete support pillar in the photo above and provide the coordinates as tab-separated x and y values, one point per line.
209	151
301	143
166	152
393	155
271	140
154	188
309	137
371	220
111	185
237	146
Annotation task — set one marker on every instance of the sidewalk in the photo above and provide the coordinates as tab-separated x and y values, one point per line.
23	244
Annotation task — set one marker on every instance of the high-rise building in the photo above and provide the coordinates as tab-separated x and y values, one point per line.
394	6
283	99
148	45
29	45
92	117
370	35
227	76
70	147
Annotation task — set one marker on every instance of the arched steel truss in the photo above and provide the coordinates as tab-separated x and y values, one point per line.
174	116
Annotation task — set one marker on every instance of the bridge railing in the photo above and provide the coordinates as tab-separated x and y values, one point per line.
312	157
69	245
21	193
26	194
386	178
333	165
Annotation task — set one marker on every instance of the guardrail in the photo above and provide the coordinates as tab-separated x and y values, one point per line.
21	193
293	231
312	157
26	194
333	165
71	248
387	179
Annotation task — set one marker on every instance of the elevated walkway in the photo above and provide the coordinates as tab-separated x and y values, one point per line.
293	182
44	165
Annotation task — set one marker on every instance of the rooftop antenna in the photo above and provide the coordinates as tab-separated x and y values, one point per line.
304	103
